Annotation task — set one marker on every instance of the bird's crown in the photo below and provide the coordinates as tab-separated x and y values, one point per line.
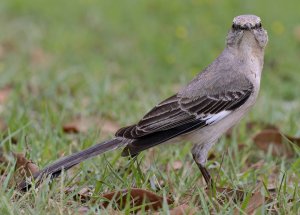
246	22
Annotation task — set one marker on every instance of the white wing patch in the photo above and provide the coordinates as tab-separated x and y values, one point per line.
213	118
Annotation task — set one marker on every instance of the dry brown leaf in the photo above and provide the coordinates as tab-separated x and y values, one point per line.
24	166
272	137
138	197
4	93
183	209
76	126
83	124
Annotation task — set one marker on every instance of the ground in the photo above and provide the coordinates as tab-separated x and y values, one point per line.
104	64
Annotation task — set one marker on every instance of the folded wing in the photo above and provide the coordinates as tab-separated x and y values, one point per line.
178	115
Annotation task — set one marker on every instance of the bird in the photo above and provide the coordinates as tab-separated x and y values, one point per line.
201	112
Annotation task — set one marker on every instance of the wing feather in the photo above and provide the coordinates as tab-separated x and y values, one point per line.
177	111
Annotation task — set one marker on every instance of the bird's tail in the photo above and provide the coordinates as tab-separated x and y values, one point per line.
65	163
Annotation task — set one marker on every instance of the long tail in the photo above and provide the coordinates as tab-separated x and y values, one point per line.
65	163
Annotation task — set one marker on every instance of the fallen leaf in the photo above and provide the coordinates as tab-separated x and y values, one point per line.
24	166
79	125
138	197
76	126
183	209
83	124
270	137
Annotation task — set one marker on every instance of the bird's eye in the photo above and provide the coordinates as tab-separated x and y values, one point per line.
236	27
258	25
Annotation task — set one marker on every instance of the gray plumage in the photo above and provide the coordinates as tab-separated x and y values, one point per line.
201	112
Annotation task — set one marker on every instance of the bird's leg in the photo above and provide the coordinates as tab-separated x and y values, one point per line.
200	157
207	177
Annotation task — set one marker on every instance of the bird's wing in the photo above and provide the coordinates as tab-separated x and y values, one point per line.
184	110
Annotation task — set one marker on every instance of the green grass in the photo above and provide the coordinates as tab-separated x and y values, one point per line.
116	59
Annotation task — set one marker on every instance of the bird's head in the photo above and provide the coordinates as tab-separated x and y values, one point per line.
247	30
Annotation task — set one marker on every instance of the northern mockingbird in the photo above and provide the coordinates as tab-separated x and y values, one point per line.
214	101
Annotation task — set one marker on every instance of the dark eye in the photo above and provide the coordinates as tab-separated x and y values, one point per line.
258	25
236	27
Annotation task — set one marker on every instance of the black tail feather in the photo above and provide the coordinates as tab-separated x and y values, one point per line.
65	163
